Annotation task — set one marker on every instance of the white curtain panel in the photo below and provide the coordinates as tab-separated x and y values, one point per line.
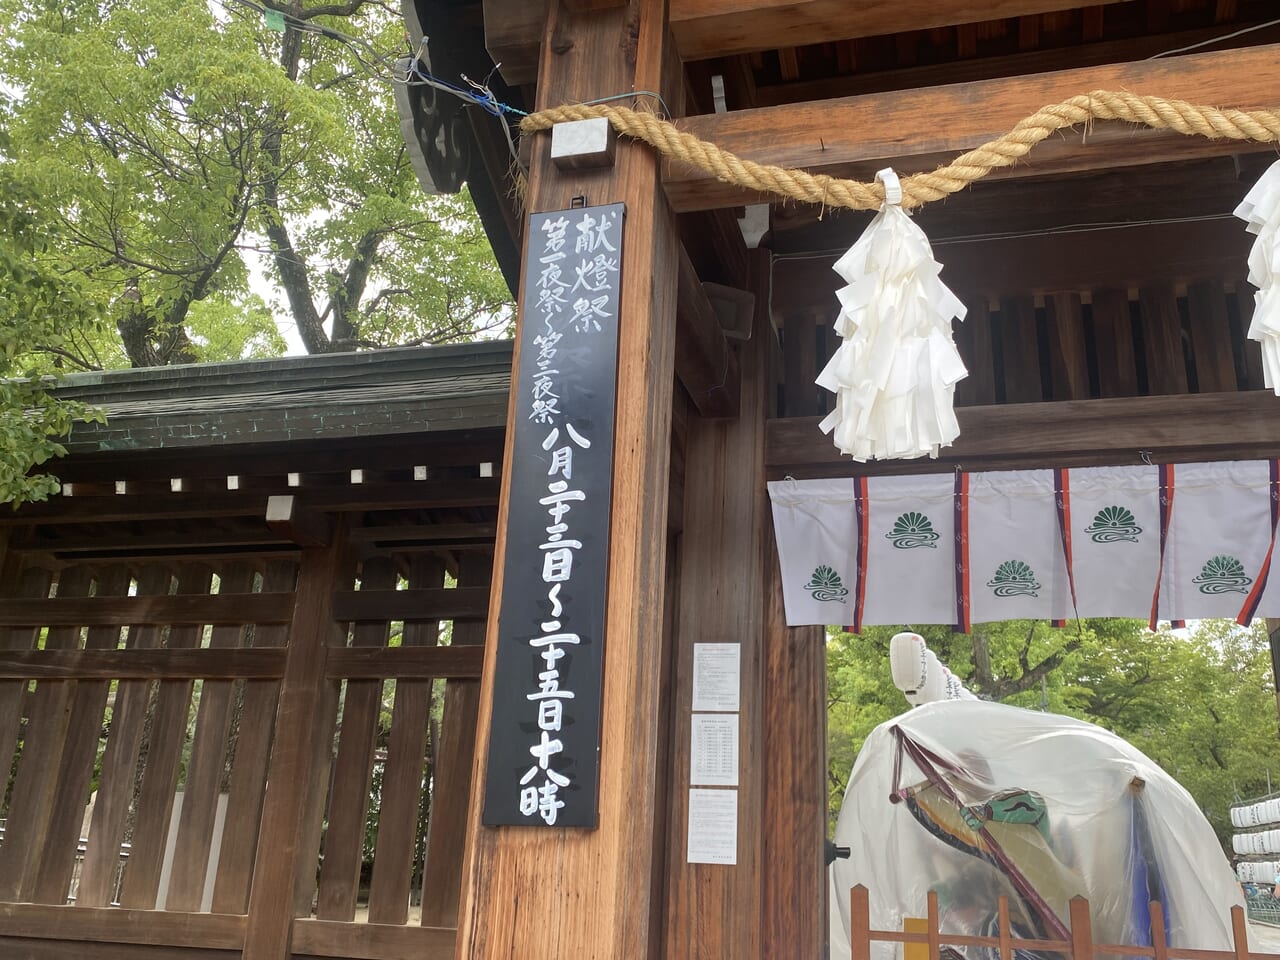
815	526
1219	532
910	527
1219	529
1115	539
1017	569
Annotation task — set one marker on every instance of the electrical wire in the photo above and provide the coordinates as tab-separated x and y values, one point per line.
1022	234
1207	43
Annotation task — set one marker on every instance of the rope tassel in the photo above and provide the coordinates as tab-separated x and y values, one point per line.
894	374
1261	210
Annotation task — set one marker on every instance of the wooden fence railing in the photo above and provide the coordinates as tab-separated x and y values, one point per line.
1081	946
194	713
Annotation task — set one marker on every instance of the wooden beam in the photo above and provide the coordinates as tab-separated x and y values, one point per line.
352	498
287	517
713	28
304	740
194	610
721	28
1190	190
370	941
1214	426
406	663
207	931
915	130
1053	263
589	892
414	605
32	948
1010	65
251	663
705	363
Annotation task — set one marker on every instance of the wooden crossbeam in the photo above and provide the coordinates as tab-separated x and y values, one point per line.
423	603
197	931
1053	262
719	28
193	610
1218	426
234	664
406	663
409	495
371	941
916	130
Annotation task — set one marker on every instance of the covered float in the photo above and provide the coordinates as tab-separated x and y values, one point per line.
975	800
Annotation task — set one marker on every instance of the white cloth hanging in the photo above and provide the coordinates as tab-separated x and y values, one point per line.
816	532
1261	211
1115	539
895	371
1017	569
910	565
1218	537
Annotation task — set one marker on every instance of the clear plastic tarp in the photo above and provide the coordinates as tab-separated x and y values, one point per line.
974	799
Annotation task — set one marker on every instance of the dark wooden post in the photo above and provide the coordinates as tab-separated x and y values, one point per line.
795	790
555	892
304	730
714	910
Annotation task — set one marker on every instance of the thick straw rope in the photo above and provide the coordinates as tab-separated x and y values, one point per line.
922	188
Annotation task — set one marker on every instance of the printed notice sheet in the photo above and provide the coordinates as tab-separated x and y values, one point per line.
713	750
713	827
716	676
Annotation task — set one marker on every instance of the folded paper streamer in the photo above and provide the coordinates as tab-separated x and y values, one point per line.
1261	210
895	372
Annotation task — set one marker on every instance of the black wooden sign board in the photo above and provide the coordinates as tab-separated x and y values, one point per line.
544	741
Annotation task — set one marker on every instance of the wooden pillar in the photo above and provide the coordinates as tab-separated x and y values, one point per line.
550	892
795	789
713	910
297	779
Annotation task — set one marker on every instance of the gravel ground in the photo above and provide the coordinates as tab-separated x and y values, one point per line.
1266	937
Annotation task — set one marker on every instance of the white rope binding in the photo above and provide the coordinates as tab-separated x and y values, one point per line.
895	371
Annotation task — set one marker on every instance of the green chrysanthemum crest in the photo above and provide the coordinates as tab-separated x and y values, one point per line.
912	530
1013	578
1113	524
1223	574
825	584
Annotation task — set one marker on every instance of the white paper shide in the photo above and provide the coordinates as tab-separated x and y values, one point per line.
1261	210
894	374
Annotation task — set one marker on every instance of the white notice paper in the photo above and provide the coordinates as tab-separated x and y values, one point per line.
713	750
713	827
716	676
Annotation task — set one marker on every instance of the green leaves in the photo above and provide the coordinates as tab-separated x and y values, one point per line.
38	303
202	135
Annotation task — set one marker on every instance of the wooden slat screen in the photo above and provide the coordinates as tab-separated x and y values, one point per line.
1157	339
138	703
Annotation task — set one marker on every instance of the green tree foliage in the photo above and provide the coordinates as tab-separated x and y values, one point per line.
37	305
1202	704
168	140
156	154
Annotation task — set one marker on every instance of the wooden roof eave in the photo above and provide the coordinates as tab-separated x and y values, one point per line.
715	28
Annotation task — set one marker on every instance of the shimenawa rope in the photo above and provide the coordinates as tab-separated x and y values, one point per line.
922	188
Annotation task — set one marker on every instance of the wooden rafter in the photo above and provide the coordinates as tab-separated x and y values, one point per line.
716	28
1211	426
